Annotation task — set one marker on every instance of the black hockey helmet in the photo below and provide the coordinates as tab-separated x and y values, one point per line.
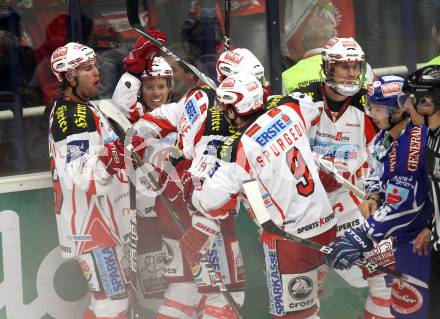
424	82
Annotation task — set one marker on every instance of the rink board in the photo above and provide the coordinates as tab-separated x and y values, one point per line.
35	282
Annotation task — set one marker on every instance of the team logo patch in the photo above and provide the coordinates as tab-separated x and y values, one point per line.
301	287
405	298
396	195
76	149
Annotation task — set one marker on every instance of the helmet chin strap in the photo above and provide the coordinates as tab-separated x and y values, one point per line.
74	91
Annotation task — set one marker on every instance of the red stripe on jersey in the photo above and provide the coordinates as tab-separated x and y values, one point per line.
165	125
203	108
226	208
241	158
273	201
297	109
199	134
252	130
370	129
316	120
186	309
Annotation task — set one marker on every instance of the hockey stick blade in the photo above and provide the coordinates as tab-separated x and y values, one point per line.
328	167
133	19
263	218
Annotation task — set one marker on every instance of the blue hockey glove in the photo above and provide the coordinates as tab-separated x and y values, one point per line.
348	249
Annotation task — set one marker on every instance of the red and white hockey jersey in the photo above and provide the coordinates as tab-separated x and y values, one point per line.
275	150
91	206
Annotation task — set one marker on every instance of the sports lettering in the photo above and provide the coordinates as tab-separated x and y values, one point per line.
61	117
274	129
414	149
216	118
276	287
393	157
80	116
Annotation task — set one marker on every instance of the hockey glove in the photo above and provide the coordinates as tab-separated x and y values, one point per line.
112	155
198	238
139	145
348	249
144	50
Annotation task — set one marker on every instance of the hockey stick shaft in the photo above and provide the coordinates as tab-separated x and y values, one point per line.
263	218
120	120
133	18
227	38
328	167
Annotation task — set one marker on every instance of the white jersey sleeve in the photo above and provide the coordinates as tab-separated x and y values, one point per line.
125	97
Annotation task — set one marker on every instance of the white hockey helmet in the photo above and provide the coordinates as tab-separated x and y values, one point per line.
159	68
69	57
238	60
342	50
243	91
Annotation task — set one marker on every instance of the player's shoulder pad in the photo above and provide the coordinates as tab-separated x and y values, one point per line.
313	90
71	118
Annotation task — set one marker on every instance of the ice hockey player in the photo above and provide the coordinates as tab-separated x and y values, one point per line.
342	136
273	148
397	192
88	173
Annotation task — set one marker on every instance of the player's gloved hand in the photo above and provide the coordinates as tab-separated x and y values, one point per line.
348	248
198	238
189	183
144	50
139	145
112	155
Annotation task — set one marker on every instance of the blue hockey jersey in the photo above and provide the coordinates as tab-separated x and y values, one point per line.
398	174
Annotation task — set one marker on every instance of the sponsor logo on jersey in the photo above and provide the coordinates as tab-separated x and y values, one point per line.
192	111
414	148
267	200
405	298
213	169
352	124
216	117
60	113
65	249
275	285
318	223
109	273
300	287
339	136
268	133
86	237
168	254
396	195
80	116
350	224
76	149
393	157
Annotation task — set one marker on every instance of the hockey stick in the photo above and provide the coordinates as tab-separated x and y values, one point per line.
227	37
330	169
120	120
263	218
106	107
133	19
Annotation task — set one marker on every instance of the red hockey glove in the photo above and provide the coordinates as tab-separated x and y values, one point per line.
113	156
139	145
144	50
198	238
